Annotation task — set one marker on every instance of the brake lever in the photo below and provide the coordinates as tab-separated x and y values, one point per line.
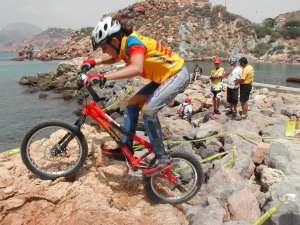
80	81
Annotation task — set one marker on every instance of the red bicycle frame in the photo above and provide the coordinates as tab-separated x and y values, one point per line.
98	114
110	126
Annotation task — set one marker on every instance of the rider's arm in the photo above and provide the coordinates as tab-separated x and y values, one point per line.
105	59
132	70
135	67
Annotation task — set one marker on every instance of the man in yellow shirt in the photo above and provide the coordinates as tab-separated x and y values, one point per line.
245	85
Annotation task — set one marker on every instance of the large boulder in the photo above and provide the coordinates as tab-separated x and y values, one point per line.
243	206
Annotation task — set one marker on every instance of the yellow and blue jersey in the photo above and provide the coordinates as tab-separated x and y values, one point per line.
160	63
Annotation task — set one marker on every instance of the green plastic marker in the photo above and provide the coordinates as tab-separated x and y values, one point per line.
290	128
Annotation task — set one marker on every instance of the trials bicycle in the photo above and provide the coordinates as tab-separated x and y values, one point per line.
55	148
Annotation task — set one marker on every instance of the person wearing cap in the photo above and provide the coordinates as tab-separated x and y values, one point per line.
245	83
185	109
234	73
216	77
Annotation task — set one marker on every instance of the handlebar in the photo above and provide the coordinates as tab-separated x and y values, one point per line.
80	83
83	72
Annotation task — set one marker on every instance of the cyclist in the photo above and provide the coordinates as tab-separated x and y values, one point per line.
149	59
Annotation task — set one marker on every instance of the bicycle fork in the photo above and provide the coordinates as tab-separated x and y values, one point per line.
61	146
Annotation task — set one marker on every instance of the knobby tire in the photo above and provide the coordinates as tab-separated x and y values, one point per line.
61	125
149	182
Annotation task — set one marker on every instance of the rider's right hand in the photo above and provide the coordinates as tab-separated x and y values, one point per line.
88	64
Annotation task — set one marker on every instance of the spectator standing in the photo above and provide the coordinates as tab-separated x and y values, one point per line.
216	77
245	86
233	74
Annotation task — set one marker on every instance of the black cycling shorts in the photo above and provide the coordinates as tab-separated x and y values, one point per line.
215	93
232	95
245	90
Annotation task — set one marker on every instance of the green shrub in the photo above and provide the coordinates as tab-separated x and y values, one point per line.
293	23
240	24
261	31
278	47
261	49
214	21
218	8
269	22
228	17
291	33
294	52
276	34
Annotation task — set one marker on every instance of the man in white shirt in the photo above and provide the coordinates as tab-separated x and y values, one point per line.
232	89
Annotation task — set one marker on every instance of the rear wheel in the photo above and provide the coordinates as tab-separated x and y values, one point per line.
54	149
179	183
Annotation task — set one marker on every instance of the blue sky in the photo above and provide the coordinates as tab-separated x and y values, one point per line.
78	13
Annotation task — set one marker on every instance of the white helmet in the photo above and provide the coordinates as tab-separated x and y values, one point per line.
104	30
232	60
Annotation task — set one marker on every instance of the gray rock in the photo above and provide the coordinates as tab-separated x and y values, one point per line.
222	183
105	93
267	112
43	95
205	152
277	157
269	176
287	112
236	223
206	129
242	145
69	94
122	83
117	88
279	190
263	91
191	134
274	130
244	166
64	67
212	214
185	146
179	98
277	107
213	144
288	214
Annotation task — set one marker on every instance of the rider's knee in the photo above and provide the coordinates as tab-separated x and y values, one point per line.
149	113
132	110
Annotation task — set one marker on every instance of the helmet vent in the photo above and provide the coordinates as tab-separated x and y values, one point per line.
100	33
105	26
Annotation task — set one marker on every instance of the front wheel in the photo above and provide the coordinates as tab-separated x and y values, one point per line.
179	183
54	149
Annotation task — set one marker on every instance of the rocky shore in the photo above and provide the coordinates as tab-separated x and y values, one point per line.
239	187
